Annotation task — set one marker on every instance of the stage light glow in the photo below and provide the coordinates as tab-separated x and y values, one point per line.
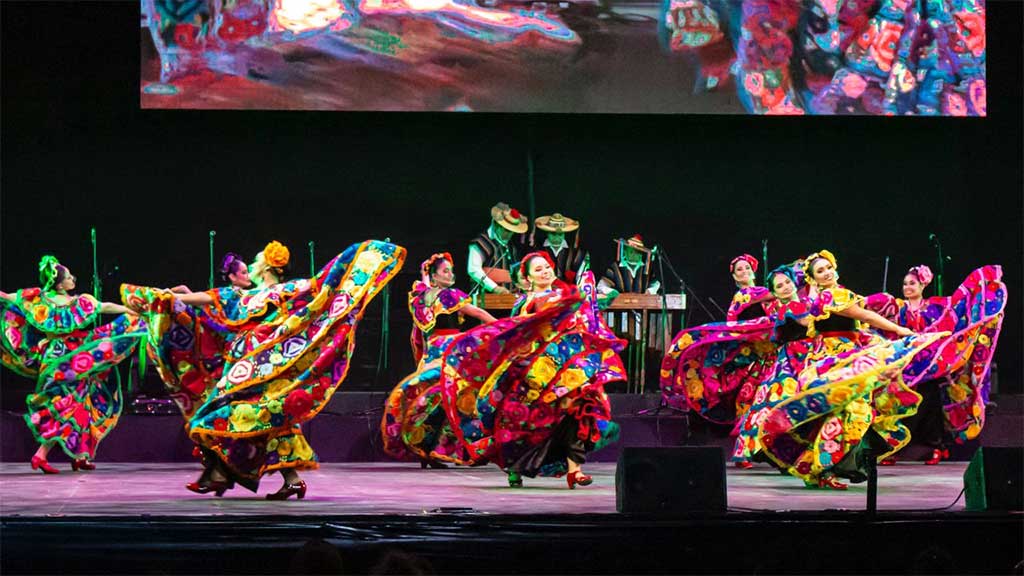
443	11
299	16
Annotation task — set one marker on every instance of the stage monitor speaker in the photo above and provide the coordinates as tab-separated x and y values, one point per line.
993	480
676	480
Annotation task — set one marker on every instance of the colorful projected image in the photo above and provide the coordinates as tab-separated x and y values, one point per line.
787	57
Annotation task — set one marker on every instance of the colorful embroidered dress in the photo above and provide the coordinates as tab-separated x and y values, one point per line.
440	315
287	350
715	368
188	344
974	316
749	303
415	422
883	57
852	384
793	347
511	386
75	403
922	57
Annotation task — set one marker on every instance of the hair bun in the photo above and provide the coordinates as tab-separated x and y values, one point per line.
48	271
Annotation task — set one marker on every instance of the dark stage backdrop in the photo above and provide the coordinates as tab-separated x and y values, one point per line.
79	152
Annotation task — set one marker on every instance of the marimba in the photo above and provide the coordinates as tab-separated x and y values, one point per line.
636	317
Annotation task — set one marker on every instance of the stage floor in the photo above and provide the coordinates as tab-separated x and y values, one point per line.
157	489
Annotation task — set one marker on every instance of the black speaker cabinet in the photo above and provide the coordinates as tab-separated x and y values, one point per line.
993	480
676	480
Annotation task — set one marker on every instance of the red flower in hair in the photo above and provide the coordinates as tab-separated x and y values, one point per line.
744	258
514	214
523	272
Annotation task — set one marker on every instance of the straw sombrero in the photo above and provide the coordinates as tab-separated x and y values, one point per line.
556	223
636	241
509	218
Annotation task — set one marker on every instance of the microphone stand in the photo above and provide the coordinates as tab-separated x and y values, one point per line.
660	253
764	254
938	248
382	358
212	234
686	287
885	276
717	307
97	283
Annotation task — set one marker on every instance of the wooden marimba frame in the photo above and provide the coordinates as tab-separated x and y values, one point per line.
636	317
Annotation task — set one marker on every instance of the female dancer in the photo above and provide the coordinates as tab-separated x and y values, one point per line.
789	334
234	272
414	421
715	368
584	358
926	424
852	383
952	374
744	273
437	308
527	392
287	348
48	334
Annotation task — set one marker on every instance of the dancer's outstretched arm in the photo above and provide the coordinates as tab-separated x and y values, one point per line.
112	308
195	298
858	313
478	313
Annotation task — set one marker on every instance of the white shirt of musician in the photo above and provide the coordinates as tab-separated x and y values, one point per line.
475	264
557	249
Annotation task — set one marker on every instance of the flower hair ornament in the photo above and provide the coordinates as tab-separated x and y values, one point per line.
228	262
276	255
922	273
743	258
429	262
523	272
48	271
809	264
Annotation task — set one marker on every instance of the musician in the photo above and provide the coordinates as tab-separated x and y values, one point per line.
569	258
494	253
632	270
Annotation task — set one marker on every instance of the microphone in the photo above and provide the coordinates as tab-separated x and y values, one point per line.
933	237
654	249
